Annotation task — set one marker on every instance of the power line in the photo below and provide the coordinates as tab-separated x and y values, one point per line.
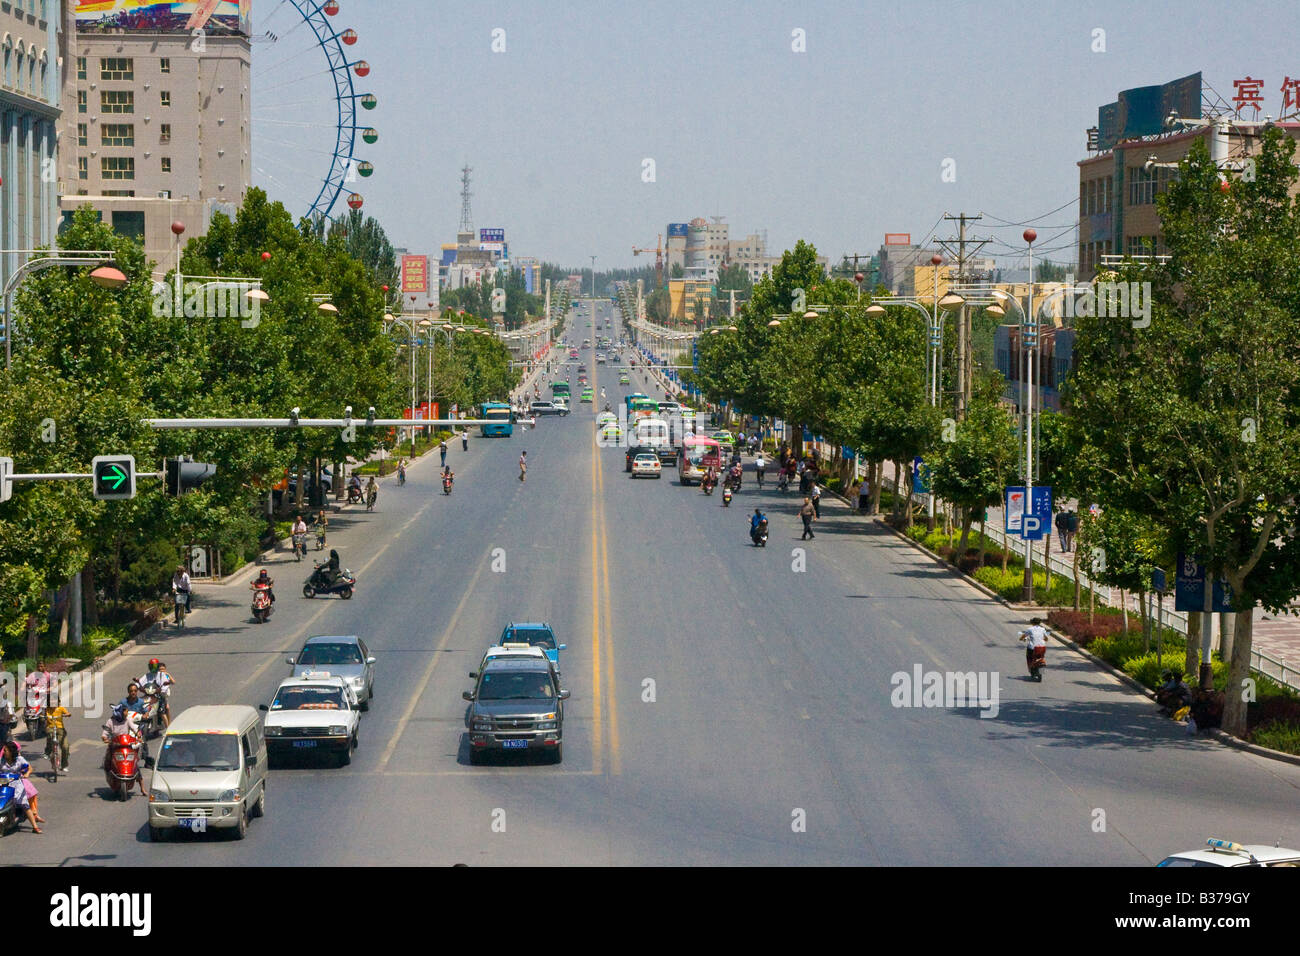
1030	222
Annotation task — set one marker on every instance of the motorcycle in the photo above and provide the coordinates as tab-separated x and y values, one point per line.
180	600
446	484
147	721
319	583
299	546
11	810
261	602
123	764
34	713
707	485
1036	660
759	534
354	494
726	496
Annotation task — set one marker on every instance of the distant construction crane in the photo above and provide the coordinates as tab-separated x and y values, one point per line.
658	250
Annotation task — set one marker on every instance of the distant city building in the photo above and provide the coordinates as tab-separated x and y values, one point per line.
898	262
685	297
157	124
532	273
701	248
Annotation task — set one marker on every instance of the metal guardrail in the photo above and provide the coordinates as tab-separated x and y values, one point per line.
1261	663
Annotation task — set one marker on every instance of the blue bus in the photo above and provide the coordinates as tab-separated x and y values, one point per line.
503	418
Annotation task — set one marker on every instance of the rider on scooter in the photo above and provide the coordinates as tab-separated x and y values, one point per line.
1035	638
121	721
757	519
158	676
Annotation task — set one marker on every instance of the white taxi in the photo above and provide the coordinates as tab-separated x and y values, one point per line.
1227	853
647	464
313	713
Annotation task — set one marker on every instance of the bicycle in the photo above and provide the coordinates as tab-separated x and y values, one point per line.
180	599
401	477
57	747
371	497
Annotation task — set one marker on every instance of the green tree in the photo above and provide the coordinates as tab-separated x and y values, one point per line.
1195	417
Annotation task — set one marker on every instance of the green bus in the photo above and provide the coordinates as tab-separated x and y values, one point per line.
559	390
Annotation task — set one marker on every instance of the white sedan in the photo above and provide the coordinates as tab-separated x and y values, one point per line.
312	713
647	464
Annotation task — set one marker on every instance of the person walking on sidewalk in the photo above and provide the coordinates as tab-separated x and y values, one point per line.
807	513
854	501
442	451
1071	528
464	439
816	495
1063	529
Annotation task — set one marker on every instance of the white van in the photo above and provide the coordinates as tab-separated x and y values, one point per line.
652	434
210	772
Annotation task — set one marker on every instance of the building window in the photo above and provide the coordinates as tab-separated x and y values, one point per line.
116	68
165	97
1141	186
83	172
165	65
22	58
81	67
117	167
116	101
166	164
81	134
164	132
117	134
128	193
81	99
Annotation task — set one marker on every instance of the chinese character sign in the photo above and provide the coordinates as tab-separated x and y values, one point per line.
415	273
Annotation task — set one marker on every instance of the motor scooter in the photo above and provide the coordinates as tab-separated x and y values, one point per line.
34	712
11	808
319	583
726	496
262	606
122	765
354	494
1036	660
759	534
446	484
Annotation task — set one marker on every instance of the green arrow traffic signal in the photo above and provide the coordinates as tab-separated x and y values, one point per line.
113	477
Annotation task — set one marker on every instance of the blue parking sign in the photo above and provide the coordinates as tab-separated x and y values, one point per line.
1032	523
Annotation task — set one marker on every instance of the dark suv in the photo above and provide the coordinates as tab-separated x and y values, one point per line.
516	705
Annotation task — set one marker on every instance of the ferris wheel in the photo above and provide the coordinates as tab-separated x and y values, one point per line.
307	112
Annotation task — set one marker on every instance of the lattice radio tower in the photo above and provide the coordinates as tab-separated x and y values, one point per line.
466	220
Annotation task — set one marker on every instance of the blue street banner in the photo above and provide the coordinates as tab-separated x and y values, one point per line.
920	477
1039	521
1189	587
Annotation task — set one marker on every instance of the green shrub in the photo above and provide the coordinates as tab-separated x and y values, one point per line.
1278	735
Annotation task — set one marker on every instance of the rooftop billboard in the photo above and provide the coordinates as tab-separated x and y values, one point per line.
676	229
217	17
1141	111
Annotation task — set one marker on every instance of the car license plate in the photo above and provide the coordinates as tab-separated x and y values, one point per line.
198	824
514	744
304	743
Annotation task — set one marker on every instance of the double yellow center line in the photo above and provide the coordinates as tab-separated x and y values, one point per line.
600	610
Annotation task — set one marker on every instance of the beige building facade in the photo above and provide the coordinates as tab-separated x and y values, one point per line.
159	132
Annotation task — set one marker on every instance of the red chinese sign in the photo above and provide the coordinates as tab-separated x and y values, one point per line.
415	273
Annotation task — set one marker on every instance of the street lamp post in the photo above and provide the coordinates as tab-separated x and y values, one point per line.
109	278
1031	347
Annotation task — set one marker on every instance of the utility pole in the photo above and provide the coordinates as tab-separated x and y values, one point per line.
965	351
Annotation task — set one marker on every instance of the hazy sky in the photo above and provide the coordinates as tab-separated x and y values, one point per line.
838	144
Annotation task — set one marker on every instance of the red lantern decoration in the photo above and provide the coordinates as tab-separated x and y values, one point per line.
266	256
385	288
348	36
1030	235
178	227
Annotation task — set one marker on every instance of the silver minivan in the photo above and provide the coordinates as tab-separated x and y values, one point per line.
210	772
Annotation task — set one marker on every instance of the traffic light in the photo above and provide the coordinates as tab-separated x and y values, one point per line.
113	477
182	476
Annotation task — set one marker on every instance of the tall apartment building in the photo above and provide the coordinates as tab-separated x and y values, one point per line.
33	34
159	124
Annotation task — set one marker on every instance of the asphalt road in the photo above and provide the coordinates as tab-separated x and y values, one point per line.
731	705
